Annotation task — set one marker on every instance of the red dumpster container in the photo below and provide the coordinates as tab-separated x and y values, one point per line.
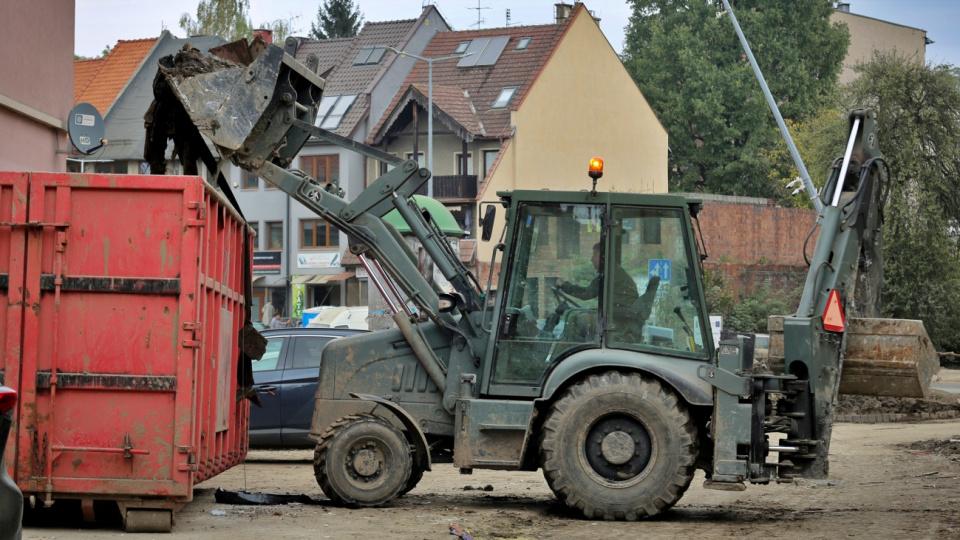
125	298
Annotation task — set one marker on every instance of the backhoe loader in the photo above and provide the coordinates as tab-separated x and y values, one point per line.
618	395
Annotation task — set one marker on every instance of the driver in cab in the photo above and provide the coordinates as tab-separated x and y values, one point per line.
624	293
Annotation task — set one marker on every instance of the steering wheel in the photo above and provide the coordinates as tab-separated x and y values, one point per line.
563	298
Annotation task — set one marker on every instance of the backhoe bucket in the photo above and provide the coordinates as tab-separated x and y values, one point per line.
881	357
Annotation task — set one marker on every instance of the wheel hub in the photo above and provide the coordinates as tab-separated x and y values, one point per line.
618	447
365	463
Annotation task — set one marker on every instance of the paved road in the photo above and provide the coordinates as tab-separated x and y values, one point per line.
952	387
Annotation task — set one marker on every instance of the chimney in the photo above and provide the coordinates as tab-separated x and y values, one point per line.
843	7
264	34
563	11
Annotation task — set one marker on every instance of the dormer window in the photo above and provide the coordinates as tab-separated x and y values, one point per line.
523	44
462	47
504	98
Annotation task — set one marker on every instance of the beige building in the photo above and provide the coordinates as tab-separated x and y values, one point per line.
36	84
868	34
527	110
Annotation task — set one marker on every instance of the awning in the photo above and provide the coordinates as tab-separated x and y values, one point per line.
343	276
321	279
258	279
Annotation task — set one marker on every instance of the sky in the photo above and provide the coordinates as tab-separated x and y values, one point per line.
101	23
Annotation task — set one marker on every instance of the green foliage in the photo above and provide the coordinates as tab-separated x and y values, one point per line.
746	313
336	19
820	139
688	62
225	18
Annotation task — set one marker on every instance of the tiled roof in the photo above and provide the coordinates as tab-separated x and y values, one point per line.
478	86
330	52
346	78
83	72
114	72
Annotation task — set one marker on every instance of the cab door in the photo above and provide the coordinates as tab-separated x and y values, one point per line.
539	322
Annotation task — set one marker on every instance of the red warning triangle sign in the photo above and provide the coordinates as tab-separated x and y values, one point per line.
833	319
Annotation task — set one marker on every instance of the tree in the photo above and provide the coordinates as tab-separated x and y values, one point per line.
687	61
918	115
336	19
225	18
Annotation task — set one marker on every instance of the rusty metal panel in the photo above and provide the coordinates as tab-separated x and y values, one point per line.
116	365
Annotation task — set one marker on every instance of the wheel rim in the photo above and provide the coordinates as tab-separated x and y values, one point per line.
364	463
618	448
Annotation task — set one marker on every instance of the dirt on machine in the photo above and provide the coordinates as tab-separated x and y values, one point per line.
602	374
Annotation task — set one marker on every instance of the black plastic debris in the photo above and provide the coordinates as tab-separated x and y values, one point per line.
245	497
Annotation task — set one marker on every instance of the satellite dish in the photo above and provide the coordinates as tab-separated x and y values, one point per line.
85	128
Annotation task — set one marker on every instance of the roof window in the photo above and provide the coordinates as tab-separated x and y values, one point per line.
523	44
462	47
332	110
504	98
368	56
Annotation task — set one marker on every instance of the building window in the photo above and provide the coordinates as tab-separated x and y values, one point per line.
110	167
323	168
504	98
74	166
489	156
523	43
420	162
274	235
255	225
250	180
317	233
458	164
462	47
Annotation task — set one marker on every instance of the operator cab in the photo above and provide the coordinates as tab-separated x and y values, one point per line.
588	271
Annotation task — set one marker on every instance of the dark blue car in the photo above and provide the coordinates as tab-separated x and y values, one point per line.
286	379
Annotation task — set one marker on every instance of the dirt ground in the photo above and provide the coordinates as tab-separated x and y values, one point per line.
888	480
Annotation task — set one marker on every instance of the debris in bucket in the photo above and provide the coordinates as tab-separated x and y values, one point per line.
245	497
456	531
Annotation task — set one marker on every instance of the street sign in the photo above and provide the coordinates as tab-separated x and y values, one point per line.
660	268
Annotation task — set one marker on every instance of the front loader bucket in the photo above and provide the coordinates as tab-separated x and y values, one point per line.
247	111
881	357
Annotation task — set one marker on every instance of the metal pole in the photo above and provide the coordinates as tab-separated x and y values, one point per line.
430	126
811	189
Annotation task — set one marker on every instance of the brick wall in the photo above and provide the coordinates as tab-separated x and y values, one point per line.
750	241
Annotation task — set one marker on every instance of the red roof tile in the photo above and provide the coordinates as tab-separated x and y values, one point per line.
115	71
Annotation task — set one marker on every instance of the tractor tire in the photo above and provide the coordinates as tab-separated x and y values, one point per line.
362	460
416	474
618	446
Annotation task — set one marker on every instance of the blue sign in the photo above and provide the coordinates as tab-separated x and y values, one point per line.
660	268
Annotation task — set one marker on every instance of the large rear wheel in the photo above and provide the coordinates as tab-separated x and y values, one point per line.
619	446
362	460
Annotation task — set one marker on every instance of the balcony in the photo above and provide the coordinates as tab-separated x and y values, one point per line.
458	187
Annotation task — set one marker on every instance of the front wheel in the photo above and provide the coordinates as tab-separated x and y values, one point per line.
362	460
619	446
